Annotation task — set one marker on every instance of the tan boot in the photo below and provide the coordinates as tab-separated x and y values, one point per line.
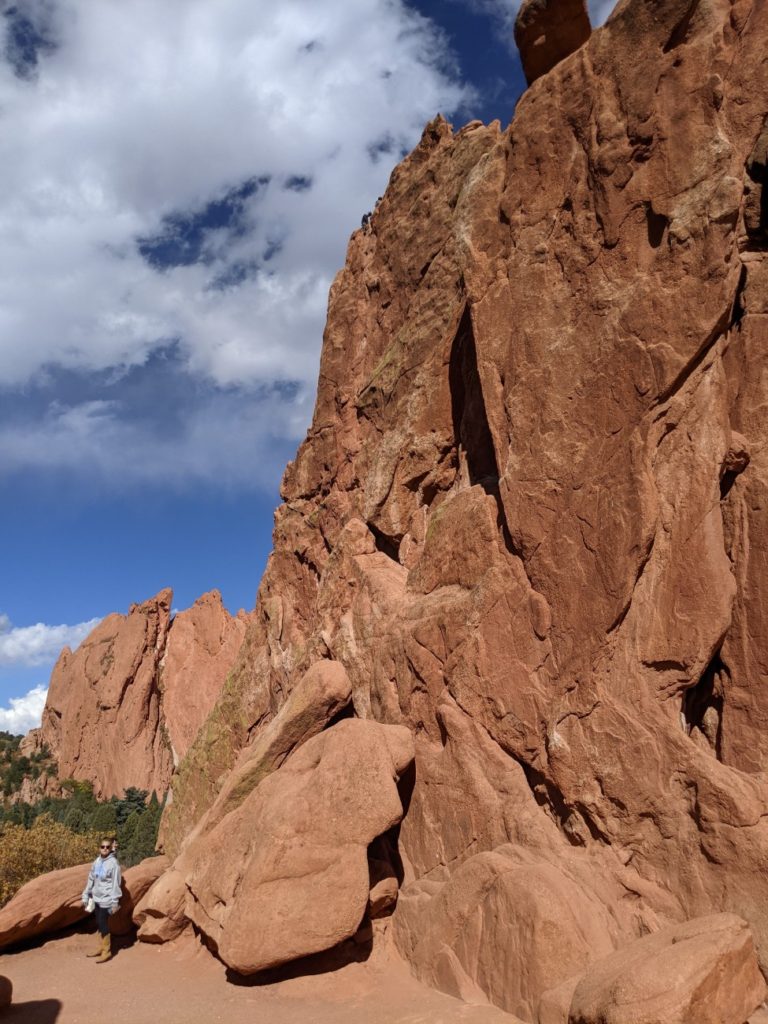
97	951
106	950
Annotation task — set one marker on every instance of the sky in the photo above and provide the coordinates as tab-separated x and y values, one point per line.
178	183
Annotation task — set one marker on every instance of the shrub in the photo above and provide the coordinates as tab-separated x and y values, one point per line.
48	845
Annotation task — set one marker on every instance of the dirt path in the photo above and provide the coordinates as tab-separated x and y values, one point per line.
55	983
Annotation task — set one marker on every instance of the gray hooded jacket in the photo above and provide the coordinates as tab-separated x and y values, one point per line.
104	882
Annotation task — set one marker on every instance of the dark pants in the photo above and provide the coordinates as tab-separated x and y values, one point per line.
102	919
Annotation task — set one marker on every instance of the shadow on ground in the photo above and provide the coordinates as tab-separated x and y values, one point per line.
35	1011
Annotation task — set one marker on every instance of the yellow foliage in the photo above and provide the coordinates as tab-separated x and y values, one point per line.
26	853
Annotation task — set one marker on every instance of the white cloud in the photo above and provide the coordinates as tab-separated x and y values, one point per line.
146	110
25	712
39	644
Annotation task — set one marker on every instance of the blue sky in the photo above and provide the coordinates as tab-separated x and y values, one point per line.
178	183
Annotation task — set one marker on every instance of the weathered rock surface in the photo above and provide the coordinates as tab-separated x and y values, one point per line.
548	31
202	645
529	520
701	972
53	901
285	874
323	693
124	708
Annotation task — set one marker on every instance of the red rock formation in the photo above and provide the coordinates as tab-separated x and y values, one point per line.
529	523
548	31
203	642
129	701
704	971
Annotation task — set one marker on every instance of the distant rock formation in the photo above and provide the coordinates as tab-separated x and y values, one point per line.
125	707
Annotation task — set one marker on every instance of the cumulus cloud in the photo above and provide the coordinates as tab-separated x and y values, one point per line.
38	644
187	174
24	713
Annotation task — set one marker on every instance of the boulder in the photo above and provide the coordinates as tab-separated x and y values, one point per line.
53	901
321	694
6	992
548	31
286	873
702	972
159	916
505	924
136	882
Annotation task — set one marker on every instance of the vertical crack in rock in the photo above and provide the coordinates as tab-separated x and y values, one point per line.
474	444
702	707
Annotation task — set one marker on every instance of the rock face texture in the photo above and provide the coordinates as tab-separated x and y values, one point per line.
704	971
528	529
548	31
125	707
529	523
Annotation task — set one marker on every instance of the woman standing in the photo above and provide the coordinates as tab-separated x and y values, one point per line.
103	887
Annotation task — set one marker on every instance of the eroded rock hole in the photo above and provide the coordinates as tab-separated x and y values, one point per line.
657	225
702	708
472	434
756	199
388	545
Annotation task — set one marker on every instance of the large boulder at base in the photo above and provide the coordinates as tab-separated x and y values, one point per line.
322	693
286	874
159	916
548	31
702	972
507	925
53	901
6	992
136	882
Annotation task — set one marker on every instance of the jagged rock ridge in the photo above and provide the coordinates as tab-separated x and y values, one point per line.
124	708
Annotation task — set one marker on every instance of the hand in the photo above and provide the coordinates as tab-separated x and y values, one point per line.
113	909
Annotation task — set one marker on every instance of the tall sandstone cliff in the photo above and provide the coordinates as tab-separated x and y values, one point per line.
523	551
123	709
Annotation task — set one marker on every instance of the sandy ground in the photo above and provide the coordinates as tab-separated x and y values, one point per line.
182	983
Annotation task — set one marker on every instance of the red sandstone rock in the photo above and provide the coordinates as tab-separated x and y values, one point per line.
529	518
202	645
53	901
160	913
102	719
127	704
6	992
701	972
548	31
286	873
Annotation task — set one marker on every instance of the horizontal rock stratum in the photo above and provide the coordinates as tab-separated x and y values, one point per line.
527	534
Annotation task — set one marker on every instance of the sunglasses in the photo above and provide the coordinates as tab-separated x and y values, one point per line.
106	846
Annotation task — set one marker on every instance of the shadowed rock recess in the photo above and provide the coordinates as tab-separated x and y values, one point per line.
513	635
